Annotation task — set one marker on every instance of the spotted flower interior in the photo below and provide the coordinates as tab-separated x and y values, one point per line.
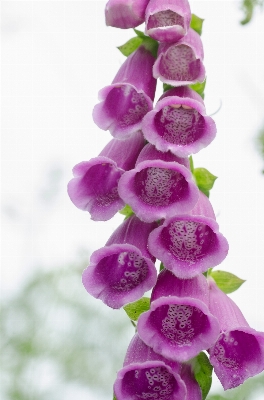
125	107
179	124
155	383
179	63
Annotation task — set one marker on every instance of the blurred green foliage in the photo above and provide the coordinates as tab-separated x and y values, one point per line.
58	343
248	8
260	144
55	336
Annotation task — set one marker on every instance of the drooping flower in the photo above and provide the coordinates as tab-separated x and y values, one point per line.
148	375
189	244
179	324
181	63
239	350
179	123
159	186
123	270
130	96
169	20
94	186
125	13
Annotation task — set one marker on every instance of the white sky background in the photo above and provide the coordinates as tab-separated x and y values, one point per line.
56	55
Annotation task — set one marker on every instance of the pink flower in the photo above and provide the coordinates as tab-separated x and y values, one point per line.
94	186
130	96
167	21
181	63
238	352
125	13
159	186
189	244
179	123
148	375
123	270
179	324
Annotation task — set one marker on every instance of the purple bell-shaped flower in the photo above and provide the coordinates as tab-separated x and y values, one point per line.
123	270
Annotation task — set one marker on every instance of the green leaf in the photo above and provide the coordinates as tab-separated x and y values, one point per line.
199	88
161	266
114	398
126	211
191	164
203	373
248	7
130	46
167	87
149	43
134	310
197	24
226	281
140	34
204	179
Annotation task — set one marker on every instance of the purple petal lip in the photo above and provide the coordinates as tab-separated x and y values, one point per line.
167	21
121	109
181	63
188	245
156	189
94	188
179	124
119	274
153	378
178	328
125	14
146	374
239	350
238	355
